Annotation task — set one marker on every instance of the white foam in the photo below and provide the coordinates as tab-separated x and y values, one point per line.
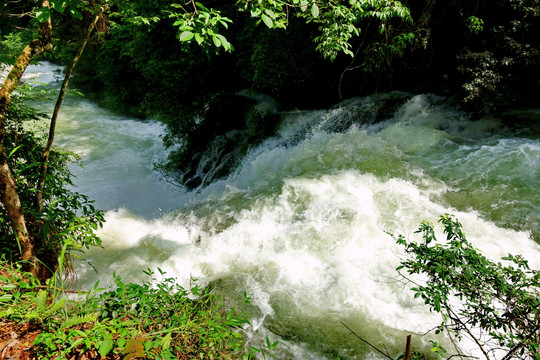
317	247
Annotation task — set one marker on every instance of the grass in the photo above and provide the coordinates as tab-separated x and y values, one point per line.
152	320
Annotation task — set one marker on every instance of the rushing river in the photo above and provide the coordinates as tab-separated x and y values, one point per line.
301	225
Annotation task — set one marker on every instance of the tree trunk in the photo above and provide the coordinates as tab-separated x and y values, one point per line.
9	196
52	127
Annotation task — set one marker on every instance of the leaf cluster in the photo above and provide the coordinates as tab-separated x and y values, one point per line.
152	320
496	305
504	47
11	46
338	21
202	25
72	7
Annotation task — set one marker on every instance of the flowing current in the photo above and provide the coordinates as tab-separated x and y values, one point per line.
301	226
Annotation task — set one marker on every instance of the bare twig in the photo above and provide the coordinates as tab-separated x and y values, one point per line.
462	356
454	343
62	290
456	318
358	336
52	127
192	2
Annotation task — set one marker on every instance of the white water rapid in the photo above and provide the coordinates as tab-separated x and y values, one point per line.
300	226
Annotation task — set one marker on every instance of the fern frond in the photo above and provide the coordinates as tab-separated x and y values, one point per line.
58	305
41	301
77	320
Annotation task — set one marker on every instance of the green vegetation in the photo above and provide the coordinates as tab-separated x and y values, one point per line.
66	217
153	320
158	320
40	217
502	47
496	306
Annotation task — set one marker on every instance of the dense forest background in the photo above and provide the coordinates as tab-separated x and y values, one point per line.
484	53
481	55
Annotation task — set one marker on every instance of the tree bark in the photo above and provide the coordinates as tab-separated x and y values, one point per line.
9	195
61	95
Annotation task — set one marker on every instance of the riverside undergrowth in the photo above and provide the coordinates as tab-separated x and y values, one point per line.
152	320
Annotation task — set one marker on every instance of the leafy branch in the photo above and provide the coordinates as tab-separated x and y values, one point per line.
495	305
338	21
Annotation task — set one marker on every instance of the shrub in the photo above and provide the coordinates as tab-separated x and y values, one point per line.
497	306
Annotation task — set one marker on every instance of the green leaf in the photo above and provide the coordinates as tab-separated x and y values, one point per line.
43	14
217	42
76	14
9	287
226	45
270	13
59	6
437	304
271	346
230	314
166	341
58	305
267	21
315	10
185	28
6	297
105	347
274	344
186	36
76	343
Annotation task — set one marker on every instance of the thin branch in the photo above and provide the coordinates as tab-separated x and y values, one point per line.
20	15
462	356
350	67
520	345
458	320
23	29
453	343
62	290
52	127
192	2
355	334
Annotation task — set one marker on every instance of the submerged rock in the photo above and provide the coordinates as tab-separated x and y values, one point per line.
232	125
